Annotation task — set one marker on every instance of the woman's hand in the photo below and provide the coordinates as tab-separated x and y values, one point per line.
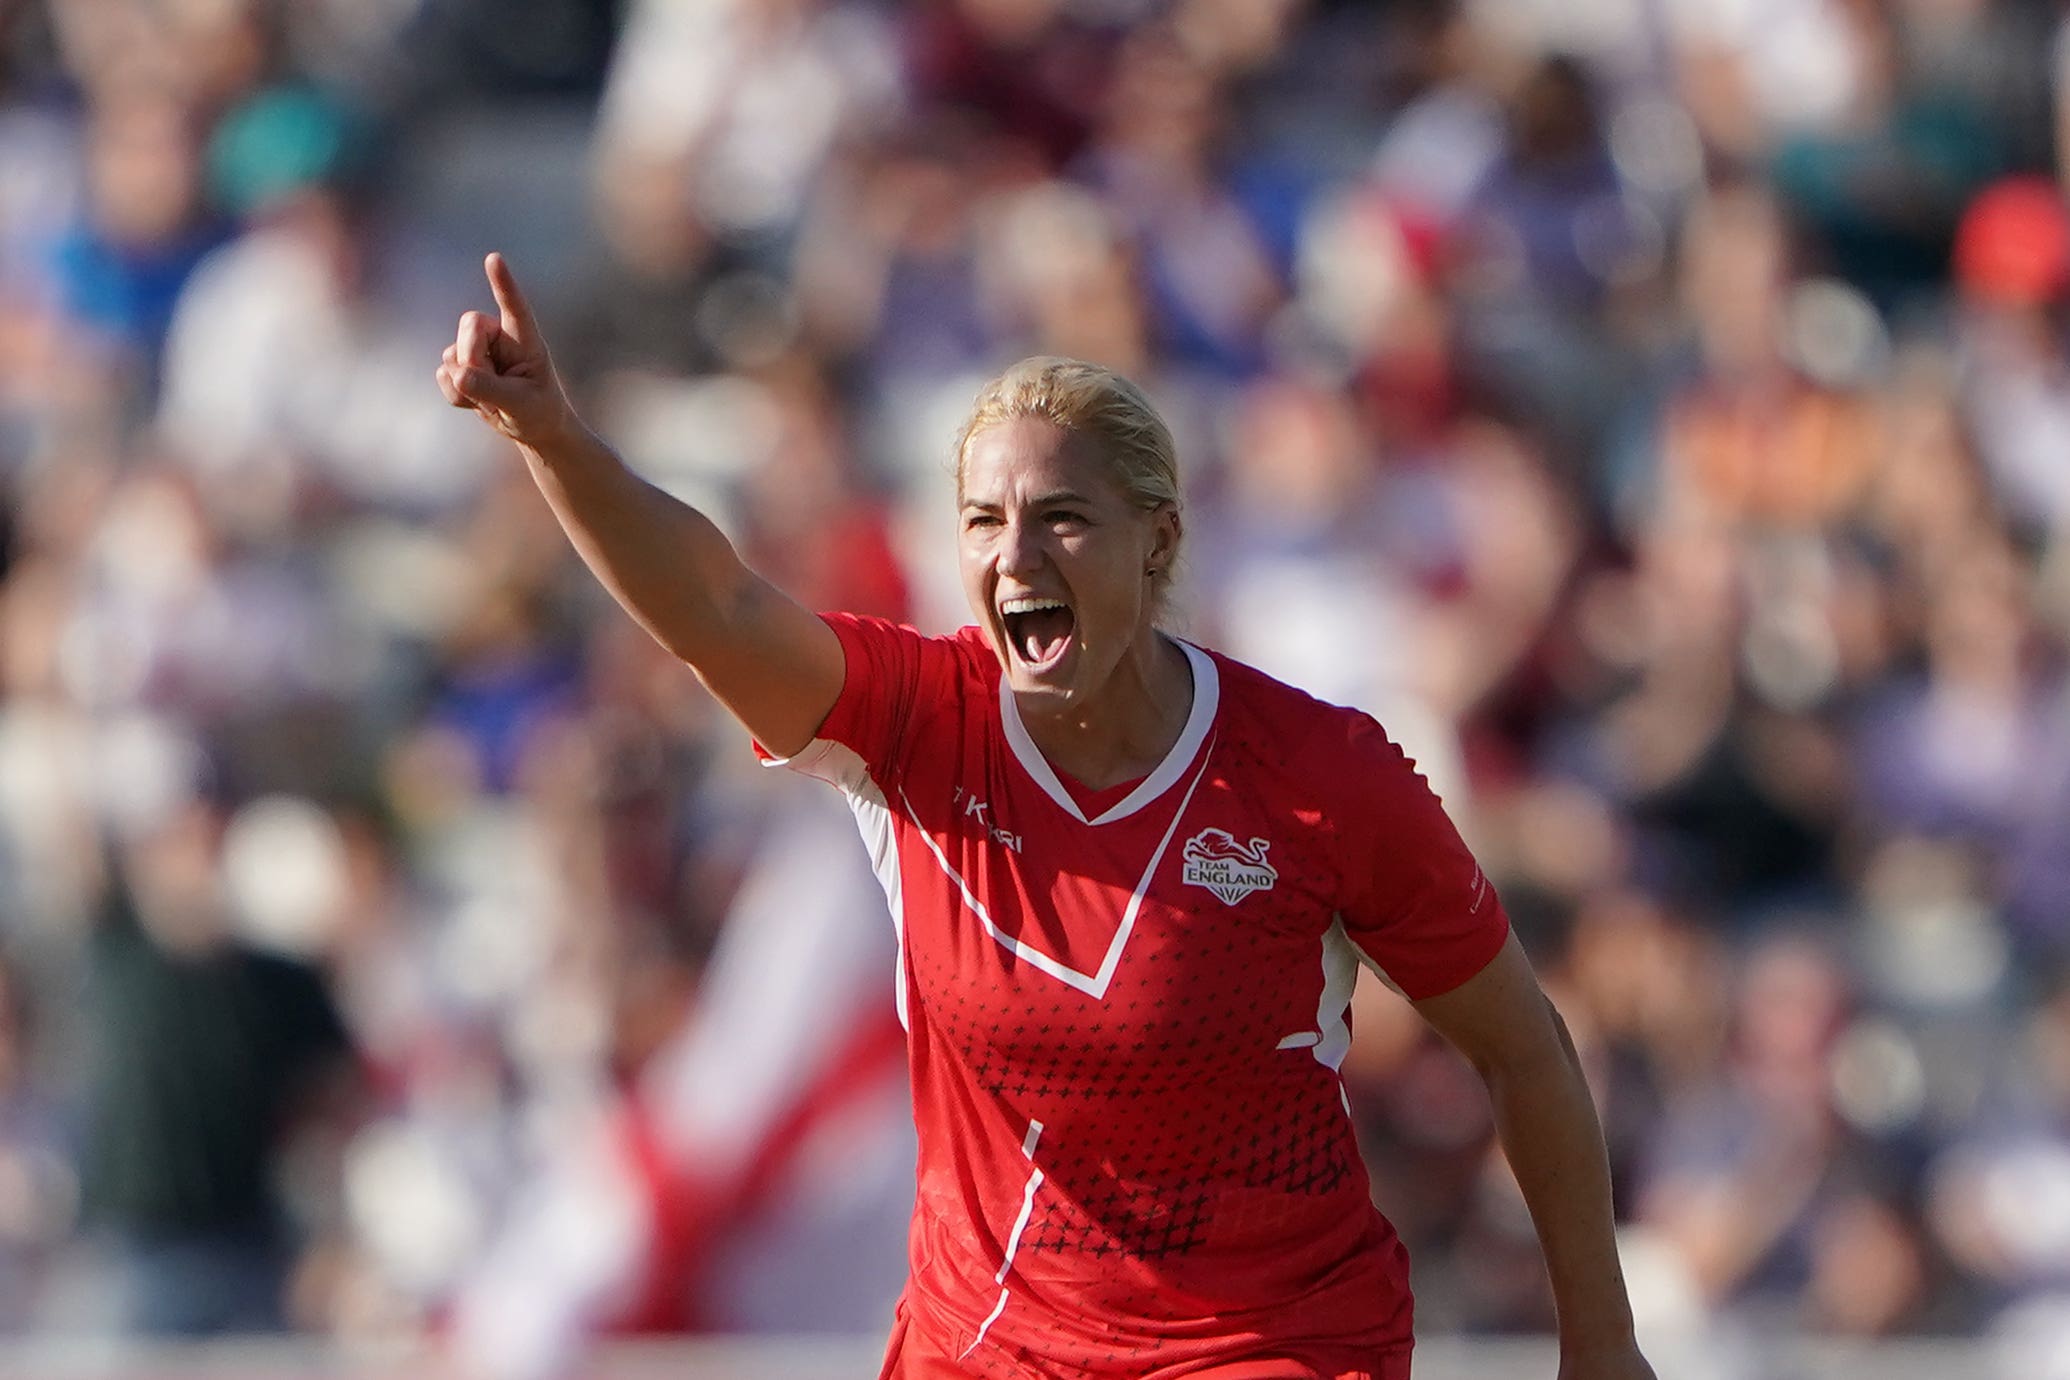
500	368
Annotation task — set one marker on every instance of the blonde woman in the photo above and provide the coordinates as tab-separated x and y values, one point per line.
1133	881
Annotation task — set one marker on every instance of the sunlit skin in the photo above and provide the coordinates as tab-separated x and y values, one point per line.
1041	515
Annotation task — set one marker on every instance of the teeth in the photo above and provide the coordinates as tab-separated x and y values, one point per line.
1030	604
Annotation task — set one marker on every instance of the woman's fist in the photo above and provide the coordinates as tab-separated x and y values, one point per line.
498	366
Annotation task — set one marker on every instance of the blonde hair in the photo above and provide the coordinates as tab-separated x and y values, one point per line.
1090	401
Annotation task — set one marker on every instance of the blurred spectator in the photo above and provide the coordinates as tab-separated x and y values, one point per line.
290	373
1033	71
1448	130
207	1054
1750	437
757	93
144	226
418	57
1547	219
1758	72
1368	278
1158	160
39	1189
1953	752
808	520
1755	1182
645	305
2012	266
1547	236
1997	1190
888	260
1885	188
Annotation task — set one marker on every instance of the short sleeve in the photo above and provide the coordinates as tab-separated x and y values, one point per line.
892	672
1414	901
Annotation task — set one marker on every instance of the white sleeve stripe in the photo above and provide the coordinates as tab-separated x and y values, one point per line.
823	759
873	817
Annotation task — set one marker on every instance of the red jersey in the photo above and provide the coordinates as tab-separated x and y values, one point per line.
1125	1018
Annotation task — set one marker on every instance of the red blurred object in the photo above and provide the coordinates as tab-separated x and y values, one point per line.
2013	246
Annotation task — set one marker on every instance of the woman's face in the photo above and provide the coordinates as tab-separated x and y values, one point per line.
1056	560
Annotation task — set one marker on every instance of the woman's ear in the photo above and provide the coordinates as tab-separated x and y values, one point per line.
1166	531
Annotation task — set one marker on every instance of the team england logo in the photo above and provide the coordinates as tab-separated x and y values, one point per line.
1215	860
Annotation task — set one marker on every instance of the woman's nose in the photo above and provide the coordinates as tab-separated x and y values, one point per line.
1020	547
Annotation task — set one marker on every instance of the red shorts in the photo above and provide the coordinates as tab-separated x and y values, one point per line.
913	1356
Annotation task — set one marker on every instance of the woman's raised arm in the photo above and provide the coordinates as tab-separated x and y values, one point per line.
775	665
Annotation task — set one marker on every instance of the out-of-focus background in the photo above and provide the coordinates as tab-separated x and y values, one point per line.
1657	412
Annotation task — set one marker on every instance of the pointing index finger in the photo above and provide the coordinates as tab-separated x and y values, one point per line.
518	322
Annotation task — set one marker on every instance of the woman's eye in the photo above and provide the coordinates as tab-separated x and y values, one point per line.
1062	517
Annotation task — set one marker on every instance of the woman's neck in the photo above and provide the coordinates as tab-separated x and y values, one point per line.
1130	726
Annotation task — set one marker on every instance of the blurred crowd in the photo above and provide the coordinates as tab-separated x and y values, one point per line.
1657	412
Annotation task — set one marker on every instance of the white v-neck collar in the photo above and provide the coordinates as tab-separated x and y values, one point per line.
1207	696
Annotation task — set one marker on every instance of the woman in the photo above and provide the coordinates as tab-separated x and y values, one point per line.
1132	881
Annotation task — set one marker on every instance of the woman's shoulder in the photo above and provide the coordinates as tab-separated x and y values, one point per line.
1288	724
1255	693
943	661
1343	756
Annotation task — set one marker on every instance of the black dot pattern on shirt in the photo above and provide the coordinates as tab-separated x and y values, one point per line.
1170	1098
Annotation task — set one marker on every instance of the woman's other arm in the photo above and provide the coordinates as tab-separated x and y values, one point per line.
1506	1027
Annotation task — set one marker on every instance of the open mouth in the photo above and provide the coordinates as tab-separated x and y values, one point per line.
1039	630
